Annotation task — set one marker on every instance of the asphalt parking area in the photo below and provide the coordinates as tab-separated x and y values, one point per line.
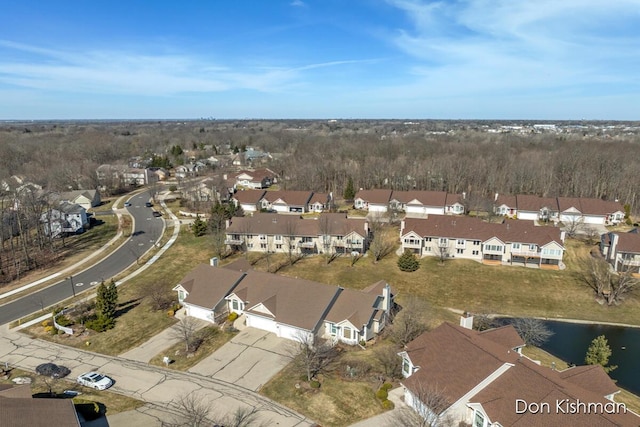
249	360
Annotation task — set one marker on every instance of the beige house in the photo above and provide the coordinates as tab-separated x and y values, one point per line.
86	198
511	242
481	379
268	232
290	308
622	251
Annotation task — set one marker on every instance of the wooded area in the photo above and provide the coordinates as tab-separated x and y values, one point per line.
479	158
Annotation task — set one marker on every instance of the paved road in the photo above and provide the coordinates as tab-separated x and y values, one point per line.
147	231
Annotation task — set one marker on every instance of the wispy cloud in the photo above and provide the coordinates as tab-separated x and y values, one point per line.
124	72
487	45
297	3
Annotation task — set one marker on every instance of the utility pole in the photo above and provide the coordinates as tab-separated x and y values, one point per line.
73	289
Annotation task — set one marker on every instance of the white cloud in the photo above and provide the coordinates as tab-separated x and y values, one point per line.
298	3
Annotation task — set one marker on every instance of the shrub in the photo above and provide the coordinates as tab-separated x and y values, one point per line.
408	261
100	324
47	322
63	321
232	316
387	386
382	394
173	188
171	313
314	384
387	405
363	343
49	329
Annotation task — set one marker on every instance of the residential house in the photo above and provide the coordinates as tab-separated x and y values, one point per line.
113	176
482	379
455	204
256	179
66	218
161	173
622	251
249	200
536	208
320	202
420	203
511	242
18	409
373	200
290	308
273	233
505	206
86	198
286	201
589	211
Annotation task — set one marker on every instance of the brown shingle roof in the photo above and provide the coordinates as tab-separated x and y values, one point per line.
208	285
426	198
590	377
295	302
319	198
599	206
509	201
628	242
354	306
290	197
565	203
249	196
258	174
476	229
529	202
378	197
505	336
20	412
336	224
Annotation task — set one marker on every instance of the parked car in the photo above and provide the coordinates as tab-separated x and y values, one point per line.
95	380
148	204
127	204
157	214
52	370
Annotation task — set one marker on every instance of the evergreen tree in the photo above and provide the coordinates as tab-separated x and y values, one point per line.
599	353
349	191
106	305
408	261
199	227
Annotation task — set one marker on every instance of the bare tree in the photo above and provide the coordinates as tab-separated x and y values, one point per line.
572	225
326	230
157	295
381	245
194	410
409	322
532	331
185	330
609	286
290	235
312	355
391	363
428	409
443	251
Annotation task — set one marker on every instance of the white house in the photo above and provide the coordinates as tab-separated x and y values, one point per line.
622	251
65	218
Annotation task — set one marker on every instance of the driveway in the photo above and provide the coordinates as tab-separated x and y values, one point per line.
249	360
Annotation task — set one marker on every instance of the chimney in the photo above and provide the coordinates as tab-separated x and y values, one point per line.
214	261
495	199
562	236
464	195
401	227
366	229
224	176
466	320
227	223
386	298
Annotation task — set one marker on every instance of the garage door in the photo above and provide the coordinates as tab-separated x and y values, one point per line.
199	313
260	322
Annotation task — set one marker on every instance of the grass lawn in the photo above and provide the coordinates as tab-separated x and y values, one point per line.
471	286
137	321
113	402
213	337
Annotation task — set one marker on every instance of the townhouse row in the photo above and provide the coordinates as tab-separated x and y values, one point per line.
282	201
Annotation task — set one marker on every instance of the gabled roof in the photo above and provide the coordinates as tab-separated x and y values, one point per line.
505	335
290	197
591	377
207	286
249	196
18	409
628	242
358	307
566	203
530	202
452	199
335	224
321	198
509	201
296	302
425	198
599	207
477	229
379	197
258	174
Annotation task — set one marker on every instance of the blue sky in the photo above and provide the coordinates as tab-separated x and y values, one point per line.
468	59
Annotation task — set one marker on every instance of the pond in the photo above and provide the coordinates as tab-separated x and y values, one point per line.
571	340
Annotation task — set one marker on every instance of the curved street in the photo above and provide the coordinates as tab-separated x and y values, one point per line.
146	232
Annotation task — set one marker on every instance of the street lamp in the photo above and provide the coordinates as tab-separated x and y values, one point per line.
73	289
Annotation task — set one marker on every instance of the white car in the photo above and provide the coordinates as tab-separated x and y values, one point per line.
95	380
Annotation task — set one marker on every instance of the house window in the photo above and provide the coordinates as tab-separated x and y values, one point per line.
249	236
475	252
443	241
278	245
250	245
427	239
515	246
552	252
460	242
459	251
263	246
428	248
476	243
180	295
339	238
234	304
263	237
493	248
406	367
278	238
478	420
346	332
334	329
532	248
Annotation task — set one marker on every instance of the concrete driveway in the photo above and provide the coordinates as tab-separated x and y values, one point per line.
249	360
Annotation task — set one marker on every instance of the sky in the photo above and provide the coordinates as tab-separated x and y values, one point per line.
320	59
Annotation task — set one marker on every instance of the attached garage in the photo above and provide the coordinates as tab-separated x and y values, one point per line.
292	333
199	312
262	322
